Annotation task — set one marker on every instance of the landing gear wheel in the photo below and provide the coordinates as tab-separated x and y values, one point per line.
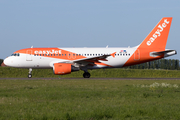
30	73
86	75
30	76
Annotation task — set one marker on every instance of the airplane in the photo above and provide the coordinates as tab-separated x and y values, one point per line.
66	60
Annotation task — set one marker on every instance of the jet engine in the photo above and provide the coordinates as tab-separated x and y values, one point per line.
63	68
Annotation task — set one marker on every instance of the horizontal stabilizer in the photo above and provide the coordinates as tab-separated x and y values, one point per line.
166	53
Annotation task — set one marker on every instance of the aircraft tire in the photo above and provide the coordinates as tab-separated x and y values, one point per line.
86	75
30	76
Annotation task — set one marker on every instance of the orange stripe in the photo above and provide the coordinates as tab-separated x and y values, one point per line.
54	51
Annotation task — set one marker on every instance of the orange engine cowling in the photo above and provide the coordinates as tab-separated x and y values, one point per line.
61	68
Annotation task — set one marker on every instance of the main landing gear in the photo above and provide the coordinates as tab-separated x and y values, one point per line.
30	74
86	75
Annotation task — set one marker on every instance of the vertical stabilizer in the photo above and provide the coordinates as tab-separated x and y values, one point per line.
157	38
154	42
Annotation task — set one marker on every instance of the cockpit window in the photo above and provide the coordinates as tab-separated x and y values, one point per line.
15	54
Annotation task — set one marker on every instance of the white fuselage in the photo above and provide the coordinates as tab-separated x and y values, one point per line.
42	61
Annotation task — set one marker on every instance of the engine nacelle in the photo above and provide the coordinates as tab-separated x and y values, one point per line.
63	68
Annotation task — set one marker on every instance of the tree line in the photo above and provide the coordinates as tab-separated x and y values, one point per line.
1	61
168	64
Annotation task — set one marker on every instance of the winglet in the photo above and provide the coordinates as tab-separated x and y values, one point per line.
113	54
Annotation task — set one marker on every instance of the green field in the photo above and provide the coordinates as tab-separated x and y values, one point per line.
8	72
89	99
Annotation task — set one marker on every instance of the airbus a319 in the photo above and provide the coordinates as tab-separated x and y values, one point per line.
66	60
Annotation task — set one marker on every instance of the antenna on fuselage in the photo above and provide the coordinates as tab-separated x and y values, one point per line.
107	46
31	46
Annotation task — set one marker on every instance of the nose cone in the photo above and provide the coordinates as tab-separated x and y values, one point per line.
8	61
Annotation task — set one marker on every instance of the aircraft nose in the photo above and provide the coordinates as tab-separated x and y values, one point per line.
7	61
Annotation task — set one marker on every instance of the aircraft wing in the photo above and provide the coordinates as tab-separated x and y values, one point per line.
92	60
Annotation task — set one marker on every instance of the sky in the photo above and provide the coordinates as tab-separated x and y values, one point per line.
84	23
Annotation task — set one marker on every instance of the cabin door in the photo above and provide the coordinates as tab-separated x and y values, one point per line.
137	55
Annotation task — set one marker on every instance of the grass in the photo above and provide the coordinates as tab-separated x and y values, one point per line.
87	99
7	72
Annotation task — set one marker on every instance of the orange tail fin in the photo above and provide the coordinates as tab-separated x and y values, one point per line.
158	36
154	42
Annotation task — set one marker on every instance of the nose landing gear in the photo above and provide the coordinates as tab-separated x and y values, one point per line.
30	74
